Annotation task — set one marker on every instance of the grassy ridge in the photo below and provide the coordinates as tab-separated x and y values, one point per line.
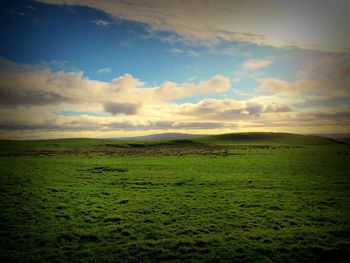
184	200
225	139
265	138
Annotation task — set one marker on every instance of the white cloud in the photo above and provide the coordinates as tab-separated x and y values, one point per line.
30	7
170	90
101	22
256	63
175	50
104	70
193	53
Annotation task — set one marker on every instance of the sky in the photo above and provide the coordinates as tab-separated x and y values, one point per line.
116	68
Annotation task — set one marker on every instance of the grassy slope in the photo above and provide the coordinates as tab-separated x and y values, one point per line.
265	138
74	206
223	139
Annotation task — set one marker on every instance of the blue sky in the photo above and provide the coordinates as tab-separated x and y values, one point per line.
106	45
69	36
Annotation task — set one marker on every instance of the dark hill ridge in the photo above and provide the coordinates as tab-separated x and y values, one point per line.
236	138
265	138
161	136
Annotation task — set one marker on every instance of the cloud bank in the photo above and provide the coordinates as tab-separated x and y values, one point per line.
36	101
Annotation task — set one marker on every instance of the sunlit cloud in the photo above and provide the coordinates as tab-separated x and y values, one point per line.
126	104
256	63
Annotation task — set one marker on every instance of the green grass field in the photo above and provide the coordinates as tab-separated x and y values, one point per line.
190	200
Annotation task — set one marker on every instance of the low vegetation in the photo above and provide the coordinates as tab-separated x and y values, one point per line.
258	197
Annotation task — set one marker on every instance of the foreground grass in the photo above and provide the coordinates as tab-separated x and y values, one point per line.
100	200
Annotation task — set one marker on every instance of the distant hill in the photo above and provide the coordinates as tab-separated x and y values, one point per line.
265	138
343	140
238	138
340	137
333	135
161	136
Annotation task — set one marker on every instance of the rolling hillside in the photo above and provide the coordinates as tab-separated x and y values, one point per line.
265	138
241	197
256	138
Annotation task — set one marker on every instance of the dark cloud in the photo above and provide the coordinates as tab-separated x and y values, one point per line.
77	125
231	110
202	125
344	115
23	84
167	125
254	108
326	102
26	97
278	108
121	107
23	126
50	126
163	125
